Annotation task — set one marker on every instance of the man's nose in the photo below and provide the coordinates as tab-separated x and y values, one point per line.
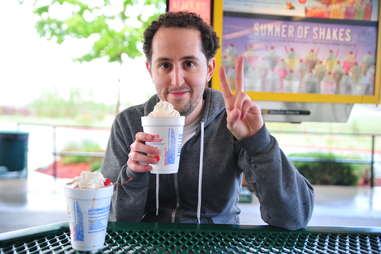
177	76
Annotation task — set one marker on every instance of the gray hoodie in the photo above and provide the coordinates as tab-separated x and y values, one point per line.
285	196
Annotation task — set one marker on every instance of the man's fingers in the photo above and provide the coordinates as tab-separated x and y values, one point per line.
143	148
232	118
224	83
247	106
145	137
239	74
139	157
241	98
138	167
141	154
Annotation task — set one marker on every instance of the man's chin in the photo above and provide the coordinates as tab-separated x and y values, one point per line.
182	105
184	110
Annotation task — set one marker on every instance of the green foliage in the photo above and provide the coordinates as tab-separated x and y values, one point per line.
52	105
328	170
95	166
116	26
84	146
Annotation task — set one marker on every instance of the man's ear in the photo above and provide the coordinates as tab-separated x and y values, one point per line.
211	68
148	66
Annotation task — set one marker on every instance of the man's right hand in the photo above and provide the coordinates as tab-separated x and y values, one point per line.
141	155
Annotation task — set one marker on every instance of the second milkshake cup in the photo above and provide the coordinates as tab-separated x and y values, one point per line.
88	216
88	198
170	130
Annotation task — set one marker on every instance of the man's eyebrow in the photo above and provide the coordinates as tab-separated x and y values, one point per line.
166	59
162	59
189	58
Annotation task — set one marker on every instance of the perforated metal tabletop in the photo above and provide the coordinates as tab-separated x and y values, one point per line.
184	238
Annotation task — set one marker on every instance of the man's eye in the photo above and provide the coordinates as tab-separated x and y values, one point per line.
165	65
189	64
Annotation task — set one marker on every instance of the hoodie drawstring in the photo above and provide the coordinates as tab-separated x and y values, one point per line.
200	174
157	194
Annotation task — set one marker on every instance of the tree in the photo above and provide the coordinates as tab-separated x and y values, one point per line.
113	27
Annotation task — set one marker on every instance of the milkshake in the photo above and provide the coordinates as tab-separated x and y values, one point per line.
166	122
328	84
88	199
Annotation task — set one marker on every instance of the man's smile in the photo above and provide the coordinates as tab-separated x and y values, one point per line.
178	93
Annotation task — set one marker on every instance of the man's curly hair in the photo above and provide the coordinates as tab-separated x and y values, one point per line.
209	39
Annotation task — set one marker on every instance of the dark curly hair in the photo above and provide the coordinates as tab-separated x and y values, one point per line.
209	39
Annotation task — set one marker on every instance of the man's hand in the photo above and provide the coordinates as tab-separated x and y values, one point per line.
244	117
141	155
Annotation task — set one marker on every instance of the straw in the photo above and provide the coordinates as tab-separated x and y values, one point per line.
125	182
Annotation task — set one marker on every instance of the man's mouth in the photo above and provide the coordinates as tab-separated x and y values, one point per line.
178	93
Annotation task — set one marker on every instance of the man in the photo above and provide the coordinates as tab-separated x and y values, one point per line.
180	50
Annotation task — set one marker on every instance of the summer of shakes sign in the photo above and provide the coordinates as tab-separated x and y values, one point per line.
302	57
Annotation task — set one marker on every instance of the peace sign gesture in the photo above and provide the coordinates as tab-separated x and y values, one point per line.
244	117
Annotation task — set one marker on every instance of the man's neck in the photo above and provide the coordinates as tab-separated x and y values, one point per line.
195	114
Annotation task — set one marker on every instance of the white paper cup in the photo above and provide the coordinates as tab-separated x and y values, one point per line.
88	211
170	130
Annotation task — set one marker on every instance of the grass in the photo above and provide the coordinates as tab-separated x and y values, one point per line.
83	146
329	170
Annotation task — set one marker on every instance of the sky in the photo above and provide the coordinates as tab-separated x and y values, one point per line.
31	65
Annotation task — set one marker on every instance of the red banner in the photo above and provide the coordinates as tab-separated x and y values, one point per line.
201	7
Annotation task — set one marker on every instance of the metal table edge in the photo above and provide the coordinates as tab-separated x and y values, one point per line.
114	226
32	232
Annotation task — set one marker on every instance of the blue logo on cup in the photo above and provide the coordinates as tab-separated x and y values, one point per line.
78	223
171	146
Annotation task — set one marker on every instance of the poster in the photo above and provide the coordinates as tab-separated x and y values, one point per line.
302	56
326	9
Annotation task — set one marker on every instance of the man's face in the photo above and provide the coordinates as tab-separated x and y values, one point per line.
179	69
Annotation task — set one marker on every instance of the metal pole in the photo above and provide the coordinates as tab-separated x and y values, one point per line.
54	153
372	162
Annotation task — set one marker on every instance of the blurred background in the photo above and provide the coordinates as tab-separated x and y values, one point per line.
68	67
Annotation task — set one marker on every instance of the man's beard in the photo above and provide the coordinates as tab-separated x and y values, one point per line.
187	109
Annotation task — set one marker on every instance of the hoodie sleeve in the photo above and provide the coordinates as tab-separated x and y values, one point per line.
285	196
128	201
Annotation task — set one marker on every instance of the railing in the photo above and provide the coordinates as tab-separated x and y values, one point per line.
55	154
371	162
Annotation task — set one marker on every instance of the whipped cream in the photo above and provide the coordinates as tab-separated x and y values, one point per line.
164	109
88	180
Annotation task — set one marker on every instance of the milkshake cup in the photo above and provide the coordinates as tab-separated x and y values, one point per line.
170	130
88	211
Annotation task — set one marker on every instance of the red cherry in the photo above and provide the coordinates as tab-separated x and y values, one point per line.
302	1
107	182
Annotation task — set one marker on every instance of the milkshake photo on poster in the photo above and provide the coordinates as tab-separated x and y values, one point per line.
326	9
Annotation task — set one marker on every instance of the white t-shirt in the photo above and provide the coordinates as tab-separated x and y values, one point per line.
190	130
